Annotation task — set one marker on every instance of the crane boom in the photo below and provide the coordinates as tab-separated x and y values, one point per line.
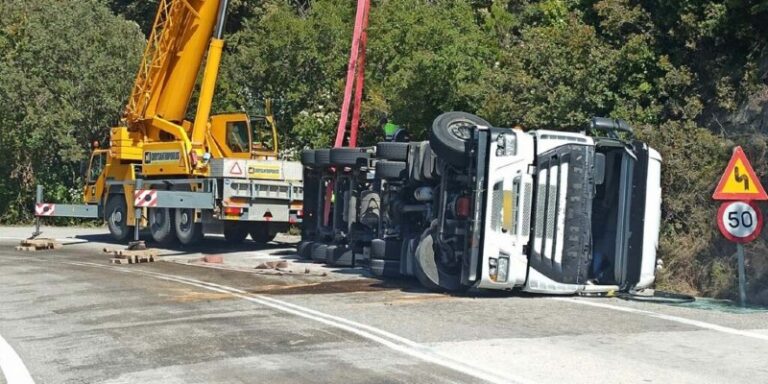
175	51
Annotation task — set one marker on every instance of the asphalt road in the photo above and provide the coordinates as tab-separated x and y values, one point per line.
68	316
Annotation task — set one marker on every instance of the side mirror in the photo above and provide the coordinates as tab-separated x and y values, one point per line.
599	168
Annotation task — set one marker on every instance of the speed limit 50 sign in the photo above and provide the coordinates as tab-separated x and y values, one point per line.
739	221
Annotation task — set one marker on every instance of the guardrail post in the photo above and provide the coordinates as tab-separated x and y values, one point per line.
137	211
38	200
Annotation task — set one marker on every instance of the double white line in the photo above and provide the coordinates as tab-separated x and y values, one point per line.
387	339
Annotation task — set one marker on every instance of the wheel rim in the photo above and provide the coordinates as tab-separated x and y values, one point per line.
185	224
116	218
461	129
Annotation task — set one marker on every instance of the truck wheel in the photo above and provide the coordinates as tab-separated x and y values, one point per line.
386	249
235	233
386	169
308	157
430	272
304	250
323	157
260	233
116	216
348	156
450	133
392	151
385	268
319	252
161	226
187	231
339	256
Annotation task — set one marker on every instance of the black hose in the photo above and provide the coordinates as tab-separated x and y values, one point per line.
659	297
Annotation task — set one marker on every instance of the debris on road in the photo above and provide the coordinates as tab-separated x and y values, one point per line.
279	264
213	259
131	256
38	244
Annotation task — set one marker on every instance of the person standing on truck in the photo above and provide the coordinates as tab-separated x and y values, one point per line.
392	131
390	128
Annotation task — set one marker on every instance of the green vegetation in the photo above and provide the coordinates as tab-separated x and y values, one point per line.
689	75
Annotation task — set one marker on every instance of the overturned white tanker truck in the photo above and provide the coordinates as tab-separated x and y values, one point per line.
490	208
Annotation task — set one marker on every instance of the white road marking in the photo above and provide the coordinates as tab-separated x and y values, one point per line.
387	339
11	365
677	319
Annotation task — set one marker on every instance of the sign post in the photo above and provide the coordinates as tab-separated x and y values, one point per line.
740	222
739	219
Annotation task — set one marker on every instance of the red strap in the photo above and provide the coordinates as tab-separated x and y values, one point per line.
341	129
360	77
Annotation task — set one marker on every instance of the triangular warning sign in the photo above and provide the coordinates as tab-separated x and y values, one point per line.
236	169
739	181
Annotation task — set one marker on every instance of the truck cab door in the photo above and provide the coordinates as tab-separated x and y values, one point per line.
95	177
509	192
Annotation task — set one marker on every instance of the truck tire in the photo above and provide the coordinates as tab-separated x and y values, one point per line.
323	157
392	151
187	230
339	256
116	215
386	249
261	233
161	226
235	232
385	268
430	272
450	133
304	250
386	169
348	156
308	157
319	252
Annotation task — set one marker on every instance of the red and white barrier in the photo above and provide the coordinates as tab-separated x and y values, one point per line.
145	198
45	209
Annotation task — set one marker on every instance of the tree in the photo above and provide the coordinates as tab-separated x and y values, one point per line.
66	68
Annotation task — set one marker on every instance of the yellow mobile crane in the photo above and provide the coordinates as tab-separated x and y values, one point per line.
210	175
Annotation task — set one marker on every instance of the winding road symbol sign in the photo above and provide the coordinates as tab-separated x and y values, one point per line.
739	181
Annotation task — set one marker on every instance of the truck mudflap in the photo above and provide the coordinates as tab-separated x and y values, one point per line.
560	247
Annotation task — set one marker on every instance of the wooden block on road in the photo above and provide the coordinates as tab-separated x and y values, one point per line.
126	256
38	244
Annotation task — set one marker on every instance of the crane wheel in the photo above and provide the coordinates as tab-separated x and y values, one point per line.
187	230
161	226
116	215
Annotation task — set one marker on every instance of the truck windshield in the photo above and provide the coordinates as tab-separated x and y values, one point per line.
237	136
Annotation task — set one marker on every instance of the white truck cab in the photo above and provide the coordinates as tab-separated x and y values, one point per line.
568	213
